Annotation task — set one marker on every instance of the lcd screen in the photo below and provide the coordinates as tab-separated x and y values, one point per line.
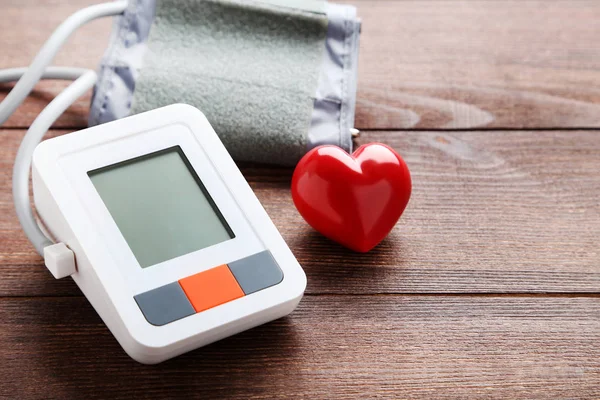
160	206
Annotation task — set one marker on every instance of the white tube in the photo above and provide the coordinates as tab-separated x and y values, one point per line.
49	51
64	73
32	138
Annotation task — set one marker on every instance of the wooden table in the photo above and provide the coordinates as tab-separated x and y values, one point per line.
489	287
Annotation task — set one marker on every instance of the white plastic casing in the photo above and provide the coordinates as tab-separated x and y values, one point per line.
59	260
108	272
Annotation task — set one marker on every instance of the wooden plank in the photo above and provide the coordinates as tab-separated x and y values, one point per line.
467	64
458	64
25	26
491	212
330	347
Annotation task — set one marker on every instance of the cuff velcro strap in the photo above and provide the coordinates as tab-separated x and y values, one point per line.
275	78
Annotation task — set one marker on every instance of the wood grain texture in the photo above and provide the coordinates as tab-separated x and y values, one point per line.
489	287
491	212
24	27
466	64
433	347
423	64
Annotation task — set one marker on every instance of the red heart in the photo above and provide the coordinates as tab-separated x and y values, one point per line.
355	199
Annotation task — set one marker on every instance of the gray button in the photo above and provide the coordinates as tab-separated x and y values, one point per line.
164	304
256	272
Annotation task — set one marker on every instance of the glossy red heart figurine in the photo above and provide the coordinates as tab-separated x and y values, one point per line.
355	199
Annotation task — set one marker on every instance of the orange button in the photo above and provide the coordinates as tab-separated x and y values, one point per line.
210	288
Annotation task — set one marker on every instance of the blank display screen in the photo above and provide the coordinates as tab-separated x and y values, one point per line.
160	206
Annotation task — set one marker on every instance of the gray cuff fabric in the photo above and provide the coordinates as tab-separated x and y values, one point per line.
274	77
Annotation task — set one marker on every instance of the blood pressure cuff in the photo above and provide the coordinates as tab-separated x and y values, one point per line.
275	78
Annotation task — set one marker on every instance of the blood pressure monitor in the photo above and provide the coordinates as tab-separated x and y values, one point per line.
172	248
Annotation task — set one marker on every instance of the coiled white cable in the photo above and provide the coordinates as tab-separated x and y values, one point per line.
32	138
50	49
28	77
63	73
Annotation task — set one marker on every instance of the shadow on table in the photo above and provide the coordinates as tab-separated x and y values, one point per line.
79	358
332	268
